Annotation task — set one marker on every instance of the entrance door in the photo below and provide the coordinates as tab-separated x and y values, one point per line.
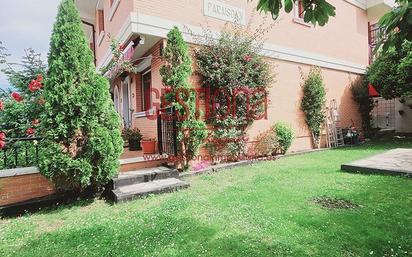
146	87
126	103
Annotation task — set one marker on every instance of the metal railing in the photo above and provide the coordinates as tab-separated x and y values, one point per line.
375	34
20	152
167	131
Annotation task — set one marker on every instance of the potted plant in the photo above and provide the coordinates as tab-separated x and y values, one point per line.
133	136
148	145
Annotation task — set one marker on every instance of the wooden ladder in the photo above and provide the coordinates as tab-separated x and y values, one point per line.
334	129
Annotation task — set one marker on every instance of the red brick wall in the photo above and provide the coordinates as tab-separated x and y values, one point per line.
16	189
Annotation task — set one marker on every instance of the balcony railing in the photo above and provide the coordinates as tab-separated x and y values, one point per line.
375	33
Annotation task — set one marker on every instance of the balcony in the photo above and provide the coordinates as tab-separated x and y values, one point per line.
377	8
374	34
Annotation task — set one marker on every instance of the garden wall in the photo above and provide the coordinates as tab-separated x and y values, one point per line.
22	184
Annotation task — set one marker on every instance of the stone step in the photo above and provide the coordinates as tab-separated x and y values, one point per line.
142	162
143	175
130	192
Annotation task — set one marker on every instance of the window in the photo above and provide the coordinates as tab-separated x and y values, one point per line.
300	14
146	91
299	8
116	99
100	18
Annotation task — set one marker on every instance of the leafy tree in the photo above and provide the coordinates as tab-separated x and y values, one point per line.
314	11
3	53
360	92
82	142
390	73
396	25
175	73
313	102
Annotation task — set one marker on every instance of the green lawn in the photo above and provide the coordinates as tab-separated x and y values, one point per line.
265	209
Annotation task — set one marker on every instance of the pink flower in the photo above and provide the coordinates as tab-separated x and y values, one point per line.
2	136
247	58
39	78
30	131
2	144
16	96
1	106
35	122
34	86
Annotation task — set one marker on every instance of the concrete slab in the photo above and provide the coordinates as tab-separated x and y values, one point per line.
393	162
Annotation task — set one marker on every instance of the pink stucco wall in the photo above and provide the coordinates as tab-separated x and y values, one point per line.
345	37
112	27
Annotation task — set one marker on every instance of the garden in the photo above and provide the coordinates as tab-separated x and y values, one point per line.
293	205
301	205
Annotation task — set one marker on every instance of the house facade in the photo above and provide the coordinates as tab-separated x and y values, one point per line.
341	49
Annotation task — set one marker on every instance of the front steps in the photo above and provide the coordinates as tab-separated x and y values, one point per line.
142	162
139	183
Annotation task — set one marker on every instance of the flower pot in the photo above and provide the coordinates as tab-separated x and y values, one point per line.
148	147
134	144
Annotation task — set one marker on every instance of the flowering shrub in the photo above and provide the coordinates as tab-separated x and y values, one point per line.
238	79
20	106
120	62
266	143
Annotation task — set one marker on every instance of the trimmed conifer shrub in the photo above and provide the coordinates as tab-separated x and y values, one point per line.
313	103
191	131
82	142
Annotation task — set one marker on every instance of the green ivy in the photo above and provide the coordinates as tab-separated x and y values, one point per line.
82	141
360	92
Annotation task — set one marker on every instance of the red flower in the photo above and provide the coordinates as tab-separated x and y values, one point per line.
35	122
2	144
2	136
39	78
1	106
16	96
247	58
30	131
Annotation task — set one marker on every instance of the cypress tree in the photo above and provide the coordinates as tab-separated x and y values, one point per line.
82	142
191	131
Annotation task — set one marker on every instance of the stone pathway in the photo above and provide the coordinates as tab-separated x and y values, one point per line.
394	162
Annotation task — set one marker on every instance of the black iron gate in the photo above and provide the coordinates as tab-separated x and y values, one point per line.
166	131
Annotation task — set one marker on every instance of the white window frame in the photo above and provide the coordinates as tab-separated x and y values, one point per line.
142	88
129	114
113	9
116	98
297	19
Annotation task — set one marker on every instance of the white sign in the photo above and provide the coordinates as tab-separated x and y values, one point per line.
219	10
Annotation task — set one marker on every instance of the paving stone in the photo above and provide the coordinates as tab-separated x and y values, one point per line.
394	162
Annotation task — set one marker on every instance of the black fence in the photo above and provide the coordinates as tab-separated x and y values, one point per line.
20	152
167	131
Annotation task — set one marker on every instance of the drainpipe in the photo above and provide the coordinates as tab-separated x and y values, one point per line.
94	39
